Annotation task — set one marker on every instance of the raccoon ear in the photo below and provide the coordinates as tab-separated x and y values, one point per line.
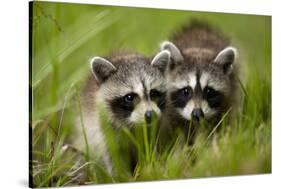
161	60
226	58
175	52
101	68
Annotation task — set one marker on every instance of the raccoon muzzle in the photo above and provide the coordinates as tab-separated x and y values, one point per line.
197	114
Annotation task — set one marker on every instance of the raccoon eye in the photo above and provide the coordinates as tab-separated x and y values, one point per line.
186	91
154	93
129	97
211	93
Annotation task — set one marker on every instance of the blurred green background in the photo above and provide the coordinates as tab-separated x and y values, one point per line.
65	36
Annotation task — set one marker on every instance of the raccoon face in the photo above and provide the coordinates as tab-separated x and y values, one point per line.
198	81
132	87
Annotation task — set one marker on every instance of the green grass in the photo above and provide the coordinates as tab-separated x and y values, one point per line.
65	36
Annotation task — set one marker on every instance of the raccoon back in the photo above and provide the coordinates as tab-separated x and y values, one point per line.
198	34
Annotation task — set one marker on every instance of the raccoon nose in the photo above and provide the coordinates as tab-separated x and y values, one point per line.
148	116
197	114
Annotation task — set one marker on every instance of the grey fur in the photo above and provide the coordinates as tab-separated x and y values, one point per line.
101	68
175	52
227	57
115	77
161	60
203	59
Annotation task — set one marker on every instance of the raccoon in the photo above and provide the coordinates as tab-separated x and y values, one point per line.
201	75
130	87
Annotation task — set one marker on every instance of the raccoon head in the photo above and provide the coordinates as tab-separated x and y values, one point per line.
199	81
131	87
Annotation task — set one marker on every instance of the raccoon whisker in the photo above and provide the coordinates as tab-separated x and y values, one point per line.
123	124
221	110
167	102
162	102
